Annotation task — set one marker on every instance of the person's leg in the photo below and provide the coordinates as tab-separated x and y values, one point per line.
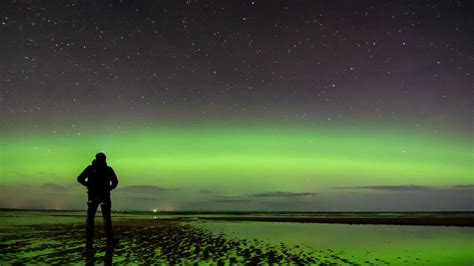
105	205
92	205
90	257
109	255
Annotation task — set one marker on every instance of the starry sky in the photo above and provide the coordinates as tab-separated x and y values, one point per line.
239	105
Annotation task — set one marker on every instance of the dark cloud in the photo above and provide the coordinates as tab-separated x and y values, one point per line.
46	173
20	186
55	187
283	194
275	194
391	188
140	199
411	188
145	189
206	191
231	200
230	197
466	186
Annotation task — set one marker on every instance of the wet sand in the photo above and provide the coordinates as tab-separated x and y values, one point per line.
58	238
152	241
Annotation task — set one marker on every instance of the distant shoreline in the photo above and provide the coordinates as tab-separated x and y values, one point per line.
249	212
419	221
452	218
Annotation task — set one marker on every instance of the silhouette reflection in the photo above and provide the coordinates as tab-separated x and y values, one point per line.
107	259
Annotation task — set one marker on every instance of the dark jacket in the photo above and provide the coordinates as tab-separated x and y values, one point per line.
101	179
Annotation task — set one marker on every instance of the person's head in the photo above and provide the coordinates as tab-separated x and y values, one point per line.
100	157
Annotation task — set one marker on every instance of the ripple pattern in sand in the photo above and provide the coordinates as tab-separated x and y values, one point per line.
151	242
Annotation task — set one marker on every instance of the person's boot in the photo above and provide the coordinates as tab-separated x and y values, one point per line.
112	241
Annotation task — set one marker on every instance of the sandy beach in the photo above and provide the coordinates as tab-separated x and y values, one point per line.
222	239
147	241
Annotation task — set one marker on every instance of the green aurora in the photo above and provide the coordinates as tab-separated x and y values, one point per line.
243	158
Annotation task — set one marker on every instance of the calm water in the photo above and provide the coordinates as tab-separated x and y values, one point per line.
427	245
56	237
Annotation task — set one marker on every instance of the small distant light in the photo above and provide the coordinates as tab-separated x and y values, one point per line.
155	210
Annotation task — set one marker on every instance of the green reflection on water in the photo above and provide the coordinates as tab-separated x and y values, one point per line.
433	245
40	234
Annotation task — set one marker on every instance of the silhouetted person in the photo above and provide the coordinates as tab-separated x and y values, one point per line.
99	179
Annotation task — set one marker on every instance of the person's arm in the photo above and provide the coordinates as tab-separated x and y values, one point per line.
82	177
113	178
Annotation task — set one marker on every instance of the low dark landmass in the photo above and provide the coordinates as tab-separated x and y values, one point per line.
298	213
455	218
424	221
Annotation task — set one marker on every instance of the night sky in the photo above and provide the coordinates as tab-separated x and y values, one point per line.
239	105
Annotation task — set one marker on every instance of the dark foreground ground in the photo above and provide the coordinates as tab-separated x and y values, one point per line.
150	242
58	238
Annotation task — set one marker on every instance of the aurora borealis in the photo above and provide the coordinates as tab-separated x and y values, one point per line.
273	157
238	105
240	159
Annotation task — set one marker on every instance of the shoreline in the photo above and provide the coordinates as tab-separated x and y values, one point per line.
418	221
458	219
